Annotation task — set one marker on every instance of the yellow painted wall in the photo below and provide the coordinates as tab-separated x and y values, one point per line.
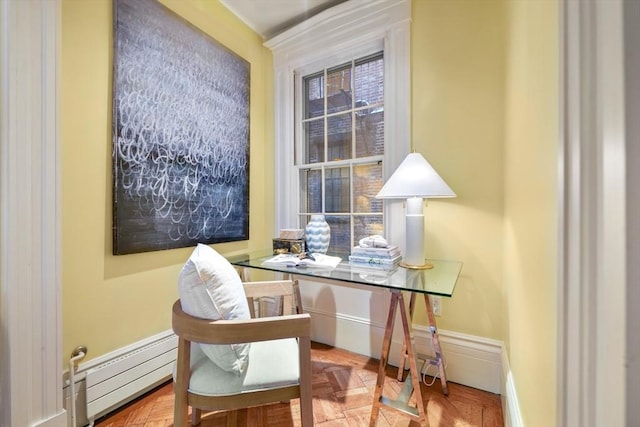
485	114
112	301
531	207
458	73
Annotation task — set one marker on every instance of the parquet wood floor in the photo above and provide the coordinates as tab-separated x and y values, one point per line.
343	385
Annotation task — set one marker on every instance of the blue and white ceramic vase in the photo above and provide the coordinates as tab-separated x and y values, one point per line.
317	233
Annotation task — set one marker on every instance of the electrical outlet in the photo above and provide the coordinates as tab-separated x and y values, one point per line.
436	305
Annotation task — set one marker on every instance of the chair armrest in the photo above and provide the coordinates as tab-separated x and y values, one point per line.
239	331
261	329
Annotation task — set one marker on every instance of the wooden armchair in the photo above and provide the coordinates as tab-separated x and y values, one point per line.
279	367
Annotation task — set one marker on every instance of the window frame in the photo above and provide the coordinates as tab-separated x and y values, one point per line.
369	51
347	31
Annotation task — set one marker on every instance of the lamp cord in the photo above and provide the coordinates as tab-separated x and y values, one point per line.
425	372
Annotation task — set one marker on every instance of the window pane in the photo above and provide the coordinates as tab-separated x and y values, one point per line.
340	233
314	141
337	190
367	225
339	137
369	81
370	132
339	89
311	190
314	96
367	182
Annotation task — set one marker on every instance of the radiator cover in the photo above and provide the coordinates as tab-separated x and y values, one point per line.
126	377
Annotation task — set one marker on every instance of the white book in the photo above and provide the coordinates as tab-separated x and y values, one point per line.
316	260
372	267
388	252
371	260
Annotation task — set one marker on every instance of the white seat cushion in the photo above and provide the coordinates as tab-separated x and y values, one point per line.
271	364
210	288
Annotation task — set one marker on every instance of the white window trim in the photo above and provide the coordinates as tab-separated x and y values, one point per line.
351	27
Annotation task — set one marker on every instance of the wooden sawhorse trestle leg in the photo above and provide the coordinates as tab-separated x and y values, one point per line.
401	402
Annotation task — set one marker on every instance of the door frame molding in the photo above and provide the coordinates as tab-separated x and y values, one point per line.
592	265
30	215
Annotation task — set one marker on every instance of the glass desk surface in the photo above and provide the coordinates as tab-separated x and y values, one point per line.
440	280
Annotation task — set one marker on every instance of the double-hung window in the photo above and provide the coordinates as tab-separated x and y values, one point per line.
340	148
342	118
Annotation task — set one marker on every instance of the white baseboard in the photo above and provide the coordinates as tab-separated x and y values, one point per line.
510	406
58	420
471	360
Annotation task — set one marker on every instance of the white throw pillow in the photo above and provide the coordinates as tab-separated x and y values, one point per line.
210	288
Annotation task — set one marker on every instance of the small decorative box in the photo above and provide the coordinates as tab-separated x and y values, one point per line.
291	246
292	233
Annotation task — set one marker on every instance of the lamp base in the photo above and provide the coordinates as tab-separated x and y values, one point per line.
425	266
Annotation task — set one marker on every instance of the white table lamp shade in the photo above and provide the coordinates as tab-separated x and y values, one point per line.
414	180
415	177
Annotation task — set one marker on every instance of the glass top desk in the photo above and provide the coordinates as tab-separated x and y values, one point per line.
439	281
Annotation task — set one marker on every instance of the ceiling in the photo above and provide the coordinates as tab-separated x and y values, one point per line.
271	17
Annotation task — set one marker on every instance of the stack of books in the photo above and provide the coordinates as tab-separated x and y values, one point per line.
386	258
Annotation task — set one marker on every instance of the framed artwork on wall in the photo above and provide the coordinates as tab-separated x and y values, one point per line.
180	133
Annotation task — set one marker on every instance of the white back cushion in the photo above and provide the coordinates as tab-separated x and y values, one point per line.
210	288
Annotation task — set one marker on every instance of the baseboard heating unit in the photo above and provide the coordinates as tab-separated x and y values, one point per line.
126	377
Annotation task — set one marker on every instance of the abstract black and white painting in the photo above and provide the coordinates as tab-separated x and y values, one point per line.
180	133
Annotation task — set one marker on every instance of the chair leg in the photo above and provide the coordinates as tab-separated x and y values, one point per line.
196	416
306	411
181	407
180	414
306	398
